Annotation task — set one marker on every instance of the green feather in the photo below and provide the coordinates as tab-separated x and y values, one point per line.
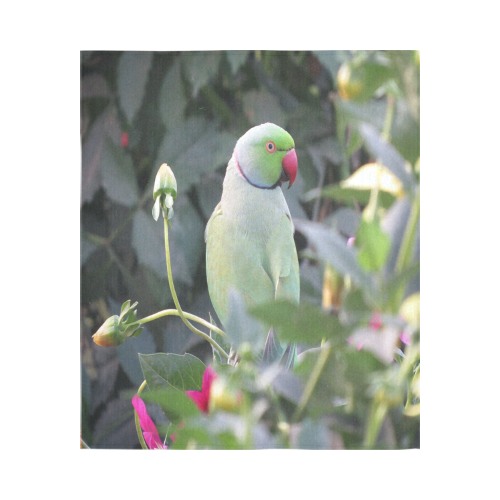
249	236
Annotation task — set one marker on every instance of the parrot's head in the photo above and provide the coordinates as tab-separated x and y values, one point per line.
265	156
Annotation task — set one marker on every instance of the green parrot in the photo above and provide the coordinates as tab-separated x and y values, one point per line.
249	236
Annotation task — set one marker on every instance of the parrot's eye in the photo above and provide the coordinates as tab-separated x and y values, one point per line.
271	147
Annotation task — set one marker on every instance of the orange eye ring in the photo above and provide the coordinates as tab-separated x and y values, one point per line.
270	147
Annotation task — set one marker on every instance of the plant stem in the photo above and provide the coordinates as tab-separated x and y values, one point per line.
313	380
137	423
176	300
175	312
389	115
405	251
377	415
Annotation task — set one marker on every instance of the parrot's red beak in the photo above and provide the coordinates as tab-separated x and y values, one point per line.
290	164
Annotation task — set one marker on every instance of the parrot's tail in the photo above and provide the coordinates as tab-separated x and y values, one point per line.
275	352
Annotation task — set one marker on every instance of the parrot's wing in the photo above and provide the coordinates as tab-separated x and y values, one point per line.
283	266
233	261
281	262
260	273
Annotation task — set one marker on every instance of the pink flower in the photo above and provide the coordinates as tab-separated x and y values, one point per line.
124	140
202	398
149	431
375	321
406	336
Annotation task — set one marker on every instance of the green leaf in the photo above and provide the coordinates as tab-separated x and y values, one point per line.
125	308
349	195
118	176
94	85
87	248
104	127
313	435
133	71
241	327
332	60
148	242
332	248
172	101
331	389
209	191
372	112
163	371
303	322
236	59
374	245
387	154
260	106
354	307
185	238
405	132
200	67
127	354
194	148
175	404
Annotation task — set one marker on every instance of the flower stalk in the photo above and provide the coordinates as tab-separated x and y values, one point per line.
176	300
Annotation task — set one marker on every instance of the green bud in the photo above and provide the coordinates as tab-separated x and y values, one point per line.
164	192
109	334
116	329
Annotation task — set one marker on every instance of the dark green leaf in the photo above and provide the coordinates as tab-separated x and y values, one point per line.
303	322
261	106
209	191
133	71
118	176
194	148
185	239
200	67
330	390
148	242
242	328
405	132
313	435
175	404
387	154
162	371
332	248
342	194
172	101
354	307
332	60
94	85
374	245
87	248
105	126
371	112
394	224
236	59
128	355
